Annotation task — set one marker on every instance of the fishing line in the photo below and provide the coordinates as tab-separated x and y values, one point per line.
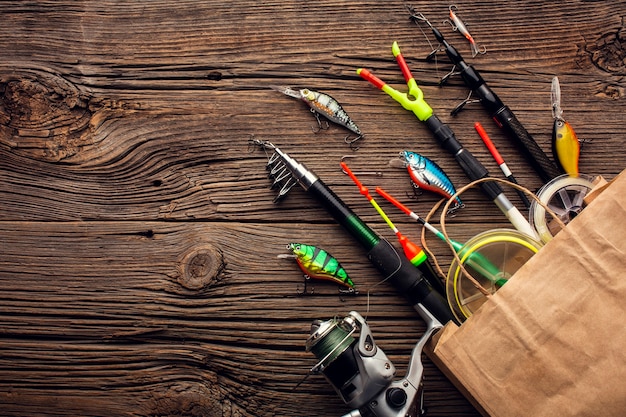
415	17
459	263
423	237
509	249
564	195
329	343
367	310
472	184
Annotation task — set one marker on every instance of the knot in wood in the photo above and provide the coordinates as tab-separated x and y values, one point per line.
200	266
188	399
45	115
609	52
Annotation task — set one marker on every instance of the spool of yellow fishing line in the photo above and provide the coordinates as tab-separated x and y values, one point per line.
487	261
491	258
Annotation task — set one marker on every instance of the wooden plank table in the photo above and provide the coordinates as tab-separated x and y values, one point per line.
139	241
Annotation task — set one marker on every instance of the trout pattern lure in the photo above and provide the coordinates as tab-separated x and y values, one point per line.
427	175
319	264
322	103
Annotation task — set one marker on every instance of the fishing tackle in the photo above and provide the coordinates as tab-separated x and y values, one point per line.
413	283
278	172
362	374
319	264
427	175
414	102
457	24
412	251
322	103
501	114
500	161
479	263
565	143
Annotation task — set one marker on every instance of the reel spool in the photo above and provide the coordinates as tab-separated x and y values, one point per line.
564	195
491	258
353	364
328	341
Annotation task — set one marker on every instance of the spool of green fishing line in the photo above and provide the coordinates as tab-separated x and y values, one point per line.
328	341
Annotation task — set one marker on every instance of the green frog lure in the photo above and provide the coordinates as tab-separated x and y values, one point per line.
319	264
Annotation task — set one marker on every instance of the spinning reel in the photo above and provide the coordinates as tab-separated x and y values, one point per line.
361	373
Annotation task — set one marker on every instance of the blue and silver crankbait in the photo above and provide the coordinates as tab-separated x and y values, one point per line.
322	103
427	175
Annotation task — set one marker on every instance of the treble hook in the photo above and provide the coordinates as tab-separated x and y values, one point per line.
417	192
320	127
304	291
376	173
352	142
417	16
264	144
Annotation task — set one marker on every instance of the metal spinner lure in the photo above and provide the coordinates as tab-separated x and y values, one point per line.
322	103
319	264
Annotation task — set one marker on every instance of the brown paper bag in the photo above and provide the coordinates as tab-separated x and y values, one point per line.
552	341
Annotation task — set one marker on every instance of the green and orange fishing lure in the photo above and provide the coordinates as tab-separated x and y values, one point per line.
319	264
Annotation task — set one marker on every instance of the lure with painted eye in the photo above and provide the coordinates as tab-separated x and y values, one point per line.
427	175
319	264
565	143
324	104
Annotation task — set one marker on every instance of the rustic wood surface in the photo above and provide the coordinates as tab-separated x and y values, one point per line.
138	268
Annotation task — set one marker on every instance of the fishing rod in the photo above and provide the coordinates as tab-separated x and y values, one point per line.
412	251
286	172
478	262
501	114
414	102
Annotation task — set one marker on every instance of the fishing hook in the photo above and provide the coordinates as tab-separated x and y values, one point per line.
352	142
320	126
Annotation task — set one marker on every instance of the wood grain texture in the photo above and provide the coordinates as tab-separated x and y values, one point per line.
138	239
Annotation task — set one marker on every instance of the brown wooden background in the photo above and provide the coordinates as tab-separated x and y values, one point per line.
139	241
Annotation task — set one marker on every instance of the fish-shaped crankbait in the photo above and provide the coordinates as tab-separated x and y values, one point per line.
565	143
324	104
427	175
319	264
457	24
